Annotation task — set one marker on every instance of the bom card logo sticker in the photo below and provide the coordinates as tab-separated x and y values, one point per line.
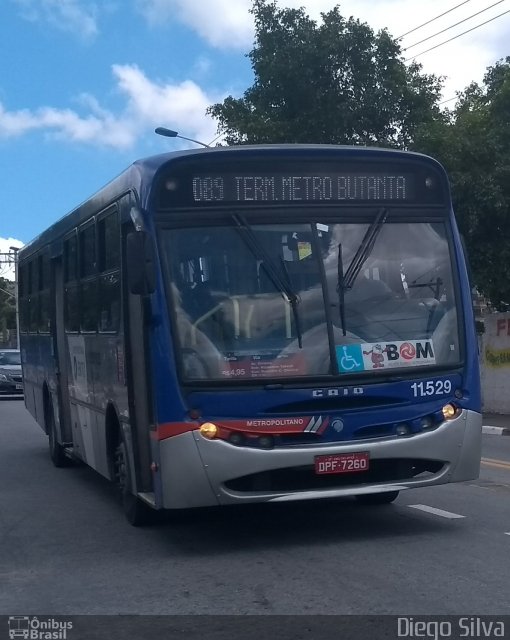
384	355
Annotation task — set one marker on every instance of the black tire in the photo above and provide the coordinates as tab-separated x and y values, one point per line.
378	498
136	511
57	451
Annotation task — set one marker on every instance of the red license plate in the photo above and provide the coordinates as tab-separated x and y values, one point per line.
342	462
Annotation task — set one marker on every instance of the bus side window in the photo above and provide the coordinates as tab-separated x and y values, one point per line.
109	303
71	290
23	298
33	297
88	278
44	292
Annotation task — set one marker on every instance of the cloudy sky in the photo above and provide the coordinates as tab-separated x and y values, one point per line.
83	83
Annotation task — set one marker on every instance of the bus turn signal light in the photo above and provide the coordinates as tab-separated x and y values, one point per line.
209	430
449	411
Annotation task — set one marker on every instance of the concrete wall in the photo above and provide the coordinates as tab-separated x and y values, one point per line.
495	363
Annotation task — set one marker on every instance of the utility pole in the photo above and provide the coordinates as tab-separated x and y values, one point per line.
10	259
15	250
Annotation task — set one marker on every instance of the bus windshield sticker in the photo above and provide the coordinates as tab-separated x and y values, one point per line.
384	355
304	250
263	365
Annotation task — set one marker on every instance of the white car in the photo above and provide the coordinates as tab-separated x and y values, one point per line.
11	379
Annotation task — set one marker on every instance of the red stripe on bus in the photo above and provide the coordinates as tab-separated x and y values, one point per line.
275	426
296	424
169	429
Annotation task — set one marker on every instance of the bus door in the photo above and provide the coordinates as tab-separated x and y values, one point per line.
60	351
138	376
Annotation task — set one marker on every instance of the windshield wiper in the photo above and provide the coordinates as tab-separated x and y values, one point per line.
294	303
345	281
365	249
282	284
340	288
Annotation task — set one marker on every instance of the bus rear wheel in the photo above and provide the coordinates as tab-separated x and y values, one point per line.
378	498
137	512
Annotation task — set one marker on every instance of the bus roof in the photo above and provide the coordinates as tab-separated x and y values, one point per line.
138	177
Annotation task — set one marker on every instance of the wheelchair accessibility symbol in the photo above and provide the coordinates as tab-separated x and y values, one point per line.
349	358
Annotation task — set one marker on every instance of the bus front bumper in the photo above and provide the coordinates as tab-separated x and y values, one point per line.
197	472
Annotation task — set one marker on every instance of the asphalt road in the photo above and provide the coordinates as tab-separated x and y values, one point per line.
66	549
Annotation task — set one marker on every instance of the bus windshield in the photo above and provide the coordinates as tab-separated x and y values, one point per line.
294	299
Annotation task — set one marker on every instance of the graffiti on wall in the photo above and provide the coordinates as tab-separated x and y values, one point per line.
497	357
495	363
497	343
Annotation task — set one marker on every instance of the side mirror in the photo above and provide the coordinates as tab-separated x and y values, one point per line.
140	260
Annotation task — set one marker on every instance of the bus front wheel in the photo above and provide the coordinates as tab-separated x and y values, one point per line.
378	498
136	511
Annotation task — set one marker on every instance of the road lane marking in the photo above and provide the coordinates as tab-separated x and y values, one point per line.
434	511
499	464
497	431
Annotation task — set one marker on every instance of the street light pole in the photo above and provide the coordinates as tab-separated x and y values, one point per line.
169	133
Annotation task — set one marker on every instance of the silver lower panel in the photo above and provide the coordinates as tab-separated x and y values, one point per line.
195	471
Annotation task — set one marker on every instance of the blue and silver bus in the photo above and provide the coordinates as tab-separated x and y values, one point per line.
256	324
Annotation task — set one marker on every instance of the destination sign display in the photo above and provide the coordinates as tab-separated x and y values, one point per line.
283	180
306	188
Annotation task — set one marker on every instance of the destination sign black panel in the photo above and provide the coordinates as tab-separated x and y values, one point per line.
297	181
294	188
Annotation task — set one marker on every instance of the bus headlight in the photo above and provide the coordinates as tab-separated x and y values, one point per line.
266	442
449	411
427	422
236	438
209	430
402	429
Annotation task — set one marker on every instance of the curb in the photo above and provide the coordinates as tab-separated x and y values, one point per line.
496	431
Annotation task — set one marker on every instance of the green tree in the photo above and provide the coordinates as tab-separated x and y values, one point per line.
473	143
333	82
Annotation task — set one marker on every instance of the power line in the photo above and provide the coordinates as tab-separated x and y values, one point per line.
457	36
432	19
453	25
445	101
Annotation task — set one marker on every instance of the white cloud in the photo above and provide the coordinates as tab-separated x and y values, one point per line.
152	102
461	61
6	265
148	103
182	105
67	125
227	24
15	123
72	16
